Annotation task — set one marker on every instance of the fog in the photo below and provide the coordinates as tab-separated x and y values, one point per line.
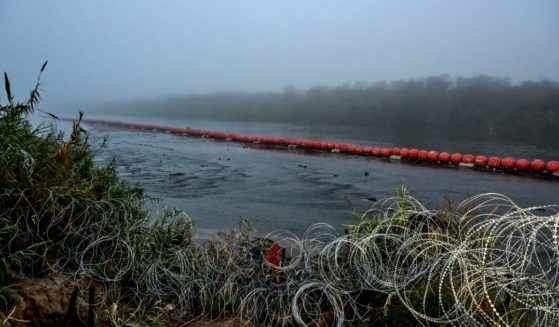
113	50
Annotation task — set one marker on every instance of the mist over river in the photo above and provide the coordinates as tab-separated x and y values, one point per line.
218	182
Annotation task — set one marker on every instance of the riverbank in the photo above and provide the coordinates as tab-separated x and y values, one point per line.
79	247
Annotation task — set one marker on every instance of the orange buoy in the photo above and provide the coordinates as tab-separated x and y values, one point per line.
522	164
494	162
537	165
433	156
456	158
480	161
508	163
444	157
552	166
468	158
175	130
423	155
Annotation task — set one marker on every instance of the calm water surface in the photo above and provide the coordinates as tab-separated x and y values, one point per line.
218	182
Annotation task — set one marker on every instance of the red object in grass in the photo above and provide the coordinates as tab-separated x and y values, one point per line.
273	257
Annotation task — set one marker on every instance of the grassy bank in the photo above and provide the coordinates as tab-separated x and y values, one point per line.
79	227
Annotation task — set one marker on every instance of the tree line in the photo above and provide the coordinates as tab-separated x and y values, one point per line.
480	104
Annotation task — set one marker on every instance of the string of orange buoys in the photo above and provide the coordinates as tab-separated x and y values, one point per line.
536	166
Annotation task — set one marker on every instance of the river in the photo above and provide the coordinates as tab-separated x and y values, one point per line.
218	182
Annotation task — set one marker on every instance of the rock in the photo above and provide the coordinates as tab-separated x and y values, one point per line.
45	301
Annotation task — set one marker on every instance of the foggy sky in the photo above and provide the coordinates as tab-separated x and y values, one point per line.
102	50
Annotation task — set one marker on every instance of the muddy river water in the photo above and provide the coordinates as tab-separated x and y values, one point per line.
219	182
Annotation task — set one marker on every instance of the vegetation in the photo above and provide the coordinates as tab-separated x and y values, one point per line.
59	213
483	262
481	106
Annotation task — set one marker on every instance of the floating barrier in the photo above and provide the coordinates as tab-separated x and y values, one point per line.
456	158
444	157
480	162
